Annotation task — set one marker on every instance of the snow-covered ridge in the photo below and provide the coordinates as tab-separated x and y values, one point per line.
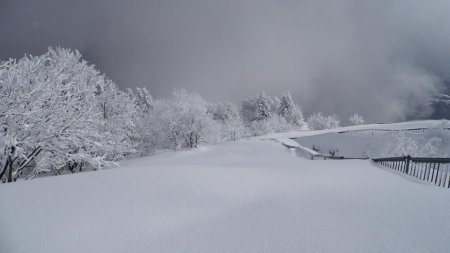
390	126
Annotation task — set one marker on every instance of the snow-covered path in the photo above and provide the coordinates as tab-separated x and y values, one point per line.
248	196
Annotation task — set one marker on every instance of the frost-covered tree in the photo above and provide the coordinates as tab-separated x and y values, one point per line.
403	145
264	114
49	118
275	103
142	98
223	111
227	116
184	120
263	109
356	119
274	124
290	111
144	134
257	108
117	111
318	121
435	142
248	110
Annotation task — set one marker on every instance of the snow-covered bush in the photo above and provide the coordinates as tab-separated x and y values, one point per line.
356	119
318	121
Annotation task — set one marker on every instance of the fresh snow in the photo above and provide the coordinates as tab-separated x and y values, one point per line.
245	196
288	142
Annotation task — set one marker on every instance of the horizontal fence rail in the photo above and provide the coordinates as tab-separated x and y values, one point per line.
384	131
434	170
330	157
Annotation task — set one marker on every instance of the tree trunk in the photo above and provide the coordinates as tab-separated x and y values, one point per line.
10	173
5	168
8	166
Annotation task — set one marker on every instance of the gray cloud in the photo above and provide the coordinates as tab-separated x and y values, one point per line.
383	59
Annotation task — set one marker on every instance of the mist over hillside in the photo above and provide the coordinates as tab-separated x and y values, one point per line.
386	58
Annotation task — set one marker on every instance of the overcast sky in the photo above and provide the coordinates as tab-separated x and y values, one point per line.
383	58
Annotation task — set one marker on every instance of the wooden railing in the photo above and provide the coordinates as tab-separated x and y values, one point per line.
331	157
384	131
434	170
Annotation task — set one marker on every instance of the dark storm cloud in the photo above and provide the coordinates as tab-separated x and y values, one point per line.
383	58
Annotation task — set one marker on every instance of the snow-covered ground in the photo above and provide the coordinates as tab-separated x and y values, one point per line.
246	196
366	141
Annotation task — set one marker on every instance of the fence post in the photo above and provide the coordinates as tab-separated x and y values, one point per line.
437	174
408	158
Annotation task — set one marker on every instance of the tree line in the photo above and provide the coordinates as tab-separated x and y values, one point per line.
59	114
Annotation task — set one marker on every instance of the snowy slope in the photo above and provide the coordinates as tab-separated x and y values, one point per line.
372	143
247	196
361	144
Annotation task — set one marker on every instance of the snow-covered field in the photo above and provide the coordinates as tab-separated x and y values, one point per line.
246	196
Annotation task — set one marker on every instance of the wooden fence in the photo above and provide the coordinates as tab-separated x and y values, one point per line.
434	170
385	131
330	157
